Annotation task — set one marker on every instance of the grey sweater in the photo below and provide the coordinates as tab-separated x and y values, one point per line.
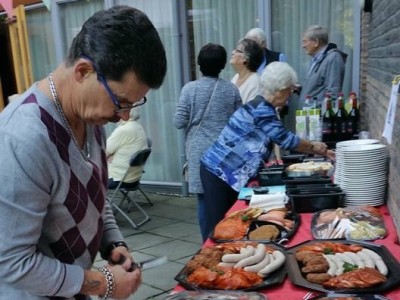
53	213
192	104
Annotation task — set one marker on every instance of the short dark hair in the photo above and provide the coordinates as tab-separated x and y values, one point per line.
212	59
253	53
119	40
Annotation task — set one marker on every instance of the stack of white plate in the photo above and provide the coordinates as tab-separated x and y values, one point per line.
362	171
339	160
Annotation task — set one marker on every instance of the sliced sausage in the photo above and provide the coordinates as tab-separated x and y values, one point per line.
257	267
254	259
368	262
279	260
359	262
330	258
380	265
234	258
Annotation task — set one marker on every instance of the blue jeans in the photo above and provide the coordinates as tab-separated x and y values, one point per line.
217	199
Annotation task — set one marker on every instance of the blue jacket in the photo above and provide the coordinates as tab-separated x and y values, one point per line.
248	137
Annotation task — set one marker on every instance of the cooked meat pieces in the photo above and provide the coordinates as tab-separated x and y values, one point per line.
207	257
231	228
305	255
315	257
264	232
318	278
192	265
212	253
317	264
360	278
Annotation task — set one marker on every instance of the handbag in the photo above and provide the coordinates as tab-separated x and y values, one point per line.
185	167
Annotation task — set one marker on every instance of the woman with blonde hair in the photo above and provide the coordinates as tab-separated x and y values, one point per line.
128	138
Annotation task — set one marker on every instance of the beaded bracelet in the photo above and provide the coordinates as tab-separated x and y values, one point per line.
110	283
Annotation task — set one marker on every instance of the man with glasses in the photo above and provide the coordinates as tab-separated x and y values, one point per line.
327	68
258	35
54	217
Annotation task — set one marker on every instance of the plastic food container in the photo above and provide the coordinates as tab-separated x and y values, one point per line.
315	179
293	158
308	201
268	178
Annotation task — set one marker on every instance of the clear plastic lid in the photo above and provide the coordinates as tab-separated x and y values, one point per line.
353	222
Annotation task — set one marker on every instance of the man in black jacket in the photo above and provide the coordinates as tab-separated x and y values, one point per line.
258	35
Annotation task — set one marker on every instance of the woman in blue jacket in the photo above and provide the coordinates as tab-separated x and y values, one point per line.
236	155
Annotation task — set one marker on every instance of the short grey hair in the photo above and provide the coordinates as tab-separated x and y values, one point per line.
258	35
134	113
317	33
277	76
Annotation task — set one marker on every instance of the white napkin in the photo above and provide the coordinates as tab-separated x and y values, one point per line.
269	201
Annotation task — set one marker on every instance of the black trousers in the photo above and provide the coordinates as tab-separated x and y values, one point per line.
218	199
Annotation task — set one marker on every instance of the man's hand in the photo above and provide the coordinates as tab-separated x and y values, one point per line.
126	283
121	256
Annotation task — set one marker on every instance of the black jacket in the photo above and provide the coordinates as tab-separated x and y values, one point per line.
271	56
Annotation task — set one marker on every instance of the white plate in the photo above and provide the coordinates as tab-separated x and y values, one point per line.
356	142
354	194
365	202
363	184
363	148
367	176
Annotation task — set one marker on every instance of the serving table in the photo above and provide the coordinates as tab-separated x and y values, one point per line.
287	288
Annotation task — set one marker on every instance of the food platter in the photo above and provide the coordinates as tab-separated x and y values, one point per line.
349	297
217	295
284	233
297	277
352	222
272	279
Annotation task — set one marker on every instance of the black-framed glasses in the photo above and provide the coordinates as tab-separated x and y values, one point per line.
113	97
238	50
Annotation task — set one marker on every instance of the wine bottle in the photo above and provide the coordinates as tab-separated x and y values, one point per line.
327	98
328	121
349	104
353	118
340	120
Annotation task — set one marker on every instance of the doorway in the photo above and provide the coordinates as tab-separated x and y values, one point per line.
7	78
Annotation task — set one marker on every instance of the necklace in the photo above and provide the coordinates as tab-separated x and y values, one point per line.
240	81
85	152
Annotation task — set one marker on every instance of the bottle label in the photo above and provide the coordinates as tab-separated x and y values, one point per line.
326	128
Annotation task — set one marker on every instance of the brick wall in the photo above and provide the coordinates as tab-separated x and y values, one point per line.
380	63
